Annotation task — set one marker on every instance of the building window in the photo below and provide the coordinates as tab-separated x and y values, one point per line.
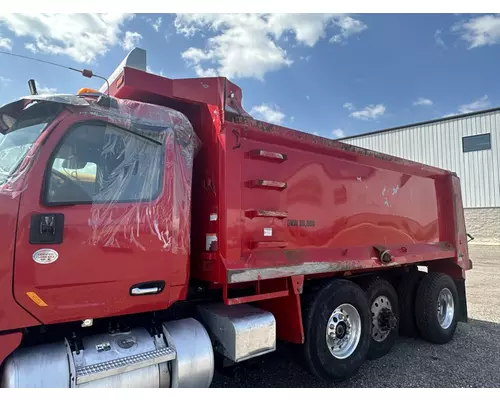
476	142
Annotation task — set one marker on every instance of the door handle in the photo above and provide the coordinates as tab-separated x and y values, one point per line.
46	228
146	288
137	291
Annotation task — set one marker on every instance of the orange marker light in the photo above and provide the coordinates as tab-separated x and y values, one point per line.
86	90
37	300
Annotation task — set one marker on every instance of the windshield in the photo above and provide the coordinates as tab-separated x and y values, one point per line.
18	140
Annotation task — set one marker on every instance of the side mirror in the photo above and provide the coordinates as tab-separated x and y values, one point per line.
74	164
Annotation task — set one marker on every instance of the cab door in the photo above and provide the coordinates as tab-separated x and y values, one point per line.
96	233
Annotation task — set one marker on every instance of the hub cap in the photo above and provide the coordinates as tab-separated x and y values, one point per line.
383	318
445	308
343	331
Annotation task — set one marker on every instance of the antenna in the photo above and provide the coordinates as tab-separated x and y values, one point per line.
87	73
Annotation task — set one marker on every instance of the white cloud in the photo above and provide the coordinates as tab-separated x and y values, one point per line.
83	37
157	24
306	58
479	104
349	106
5	43
439	40
307	28
46	90
240	48
422	101
308	98
245	45
31	47
4	81
369	112
152	71
338	133
269	113
479	31
131	40
348	27
292	118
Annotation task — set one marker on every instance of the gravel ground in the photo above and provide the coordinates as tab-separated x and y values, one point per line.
471	359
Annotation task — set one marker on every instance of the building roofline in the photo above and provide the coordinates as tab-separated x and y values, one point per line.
432	121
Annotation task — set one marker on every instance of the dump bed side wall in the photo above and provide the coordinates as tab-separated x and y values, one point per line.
327	207
331	202
287	204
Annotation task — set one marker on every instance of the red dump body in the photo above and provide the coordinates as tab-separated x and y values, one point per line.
270	207
285	203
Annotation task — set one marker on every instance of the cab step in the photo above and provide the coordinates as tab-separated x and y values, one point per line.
119	366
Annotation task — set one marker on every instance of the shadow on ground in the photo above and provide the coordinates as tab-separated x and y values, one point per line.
472	359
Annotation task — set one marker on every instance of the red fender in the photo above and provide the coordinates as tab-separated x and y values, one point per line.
8	343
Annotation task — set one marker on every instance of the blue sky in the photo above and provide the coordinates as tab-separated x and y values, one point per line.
329	74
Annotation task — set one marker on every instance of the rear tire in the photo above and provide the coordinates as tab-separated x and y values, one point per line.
407	291
436	308
337	327
384	308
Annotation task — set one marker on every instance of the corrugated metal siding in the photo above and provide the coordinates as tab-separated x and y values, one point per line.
440	144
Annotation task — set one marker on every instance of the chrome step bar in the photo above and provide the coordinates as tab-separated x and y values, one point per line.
119	366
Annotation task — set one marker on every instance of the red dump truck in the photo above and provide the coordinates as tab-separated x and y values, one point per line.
152	229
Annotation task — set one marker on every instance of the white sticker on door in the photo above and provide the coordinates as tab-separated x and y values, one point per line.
268	231
45	256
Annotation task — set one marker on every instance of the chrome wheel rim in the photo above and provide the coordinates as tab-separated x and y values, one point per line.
343	331
380	304
445	308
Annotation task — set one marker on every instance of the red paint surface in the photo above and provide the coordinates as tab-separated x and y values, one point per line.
287	312
12	316
355	198
91	279
8	343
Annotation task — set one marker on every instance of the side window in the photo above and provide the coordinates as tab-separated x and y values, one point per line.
104	164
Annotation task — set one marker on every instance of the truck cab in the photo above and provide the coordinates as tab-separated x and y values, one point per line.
103	204
153	227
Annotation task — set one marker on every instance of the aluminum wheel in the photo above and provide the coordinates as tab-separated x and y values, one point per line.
445	308
382	316
343	331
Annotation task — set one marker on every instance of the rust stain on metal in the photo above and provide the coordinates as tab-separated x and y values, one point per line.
309	268
248	121
366	152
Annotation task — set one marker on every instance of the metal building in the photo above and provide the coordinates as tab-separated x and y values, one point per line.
468	144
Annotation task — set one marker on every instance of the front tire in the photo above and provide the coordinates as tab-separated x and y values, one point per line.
436	308
337	331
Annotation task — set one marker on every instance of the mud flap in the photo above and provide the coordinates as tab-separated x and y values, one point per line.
462	299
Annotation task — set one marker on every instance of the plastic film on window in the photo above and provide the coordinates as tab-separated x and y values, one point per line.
144	176
23	125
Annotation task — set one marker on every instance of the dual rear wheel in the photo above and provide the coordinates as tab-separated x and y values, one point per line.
345	324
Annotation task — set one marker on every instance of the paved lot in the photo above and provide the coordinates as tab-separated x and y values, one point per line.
472	359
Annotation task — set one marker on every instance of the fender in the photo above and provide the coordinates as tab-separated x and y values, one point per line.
8	343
